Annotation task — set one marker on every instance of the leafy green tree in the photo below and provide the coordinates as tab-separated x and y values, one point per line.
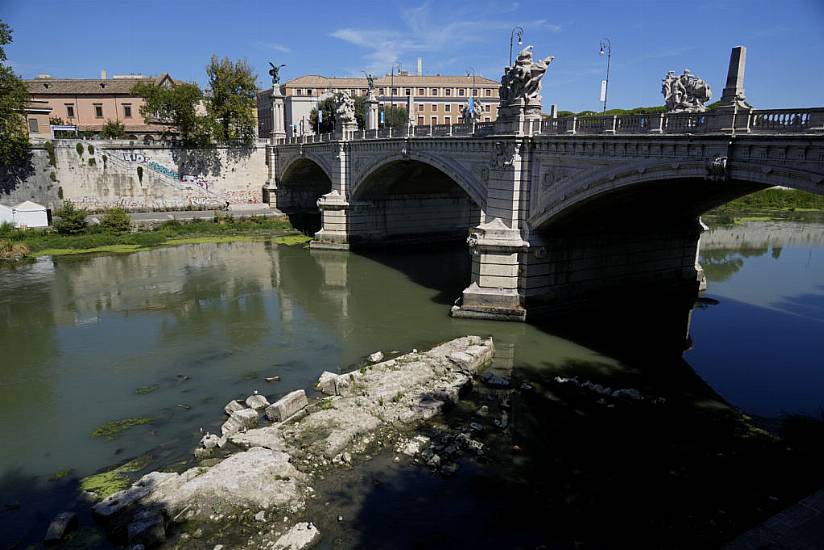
395	116
113	129
72	219
14	139
232	100
176	104
116	220
327	106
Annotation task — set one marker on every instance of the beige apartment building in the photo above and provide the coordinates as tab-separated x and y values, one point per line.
435	99
88	104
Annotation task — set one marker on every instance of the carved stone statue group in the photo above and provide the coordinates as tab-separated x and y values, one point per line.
344	109
686	93
521	83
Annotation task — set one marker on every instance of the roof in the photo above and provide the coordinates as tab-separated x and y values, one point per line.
462	81
4	207
38	106
29	205
83	86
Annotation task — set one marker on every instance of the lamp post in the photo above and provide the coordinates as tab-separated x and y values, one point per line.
606	48
519	31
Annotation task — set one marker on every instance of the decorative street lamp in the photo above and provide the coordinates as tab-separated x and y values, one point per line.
606	47
519	31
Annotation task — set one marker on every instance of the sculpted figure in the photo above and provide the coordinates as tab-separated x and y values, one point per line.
686	93
521	83
345	110
274	72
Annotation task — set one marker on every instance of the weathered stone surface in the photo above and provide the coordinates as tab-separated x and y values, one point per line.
327	383
232	407
61	525
257	402
147	528
209	441
286	406
121	500
240	420
376	357
302	535
269	437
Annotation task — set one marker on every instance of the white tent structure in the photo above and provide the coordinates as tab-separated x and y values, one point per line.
6	214
30	214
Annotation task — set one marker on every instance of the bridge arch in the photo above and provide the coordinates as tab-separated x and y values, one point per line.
414	197
367	175
303	181
712	185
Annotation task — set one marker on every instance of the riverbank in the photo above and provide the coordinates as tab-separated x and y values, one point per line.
32	243
768	205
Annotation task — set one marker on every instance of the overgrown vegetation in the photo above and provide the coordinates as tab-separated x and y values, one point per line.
176	105
140	173
12	251
97	238
327	107
90	149
230	106
111	430
49	147
108	483
773	199
79	148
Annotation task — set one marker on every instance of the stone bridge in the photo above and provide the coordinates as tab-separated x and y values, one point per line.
554	211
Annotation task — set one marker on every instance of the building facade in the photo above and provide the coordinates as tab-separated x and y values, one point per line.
88	104
435	99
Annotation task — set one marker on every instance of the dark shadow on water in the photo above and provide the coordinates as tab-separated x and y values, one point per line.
28	504
808	305
307	222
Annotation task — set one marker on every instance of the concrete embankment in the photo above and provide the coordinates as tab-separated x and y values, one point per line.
272	452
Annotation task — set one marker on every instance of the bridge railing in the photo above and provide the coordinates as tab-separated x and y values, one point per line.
484	128
785	120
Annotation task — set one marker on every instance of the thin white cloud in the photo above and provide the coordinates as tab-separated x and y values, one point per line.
420	33
273	46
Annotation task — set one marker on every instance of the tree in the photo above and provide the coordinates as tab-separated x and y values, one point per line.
14	139
72	219
175	104
328	106
395	116
113	129
116	220
232	100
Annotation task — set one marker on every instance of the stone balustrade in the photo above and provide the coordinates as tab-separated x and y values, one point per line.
721	121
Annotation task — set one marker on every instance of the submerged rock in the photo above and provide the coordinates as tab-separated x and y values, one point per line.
376	357
62	524
257	402
302	535
493	380
147	529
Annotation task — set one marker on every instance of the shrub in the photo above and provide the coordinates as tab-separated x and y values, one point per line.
140	173
116	220
105	159
60	193
49	147
72	219
92	162
79	149
11	251
113	129
52	176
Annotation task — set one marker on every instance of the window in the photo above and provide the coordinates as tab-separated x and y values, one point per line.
420	121
447	107
420	106
309	91
448	91
98	110
487	119
434	120
70	110
474	91
127	110
407	91
434	107
488	92
447	120
461	92
486	108
33	128
394	91
434	91
364	91
421	91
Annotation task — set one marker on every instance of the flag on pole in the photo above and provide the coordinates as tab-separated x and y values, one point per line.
471	104
603	90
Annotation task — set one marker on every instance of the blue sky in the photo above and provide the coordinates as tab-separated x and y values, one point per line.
785	40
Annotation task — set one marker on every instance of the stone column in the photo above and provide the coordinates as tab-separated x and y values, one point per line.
270	188
733	112
334	232
494	293
372	116
278	114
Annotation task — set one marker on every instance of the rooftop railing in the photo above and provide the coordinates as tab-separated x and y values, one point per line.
720	121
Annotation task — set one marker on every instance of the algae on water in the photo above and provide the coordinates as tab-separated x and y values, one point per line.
292	240
108	483
112	429
143	390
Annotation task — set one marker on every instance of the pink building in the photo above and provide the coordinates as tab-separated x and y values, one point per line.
89	103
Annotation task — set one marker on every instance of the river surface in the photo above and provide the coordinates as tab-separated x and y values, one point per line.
203	324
